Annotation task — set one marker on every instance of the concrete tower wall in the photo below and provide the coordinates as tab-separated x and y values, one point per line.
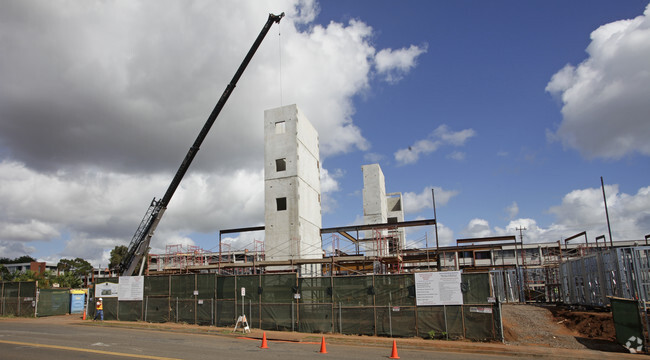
374	206
292	186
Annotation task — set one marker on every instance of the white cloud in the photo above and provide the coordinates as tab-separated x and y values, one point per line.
512	210
93	128
414	202
605	98
394	64
580	210
445	236
477	228
29	231
373	158
457	155
328	181
439	137
329	184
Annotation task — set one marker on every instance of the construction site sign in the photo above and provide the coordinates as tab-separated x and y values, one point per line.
106	290
438	288
131	288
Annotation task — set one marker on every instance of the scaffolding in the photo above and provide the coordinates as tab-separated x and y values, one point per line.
177	259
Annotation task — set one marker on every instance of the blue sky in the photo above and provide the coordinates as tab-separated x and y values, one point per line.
486	68
512	111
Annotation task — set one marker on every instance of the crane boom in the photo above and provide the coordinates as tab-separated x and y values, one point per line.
140	242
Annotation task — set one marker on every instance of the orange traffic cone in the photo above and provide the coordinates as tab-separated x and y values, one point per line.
84	317
323	349
394	355
264	344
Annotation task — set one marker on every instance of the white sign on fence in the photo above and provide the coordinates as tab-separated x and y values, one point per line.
106	290
438	288
131	288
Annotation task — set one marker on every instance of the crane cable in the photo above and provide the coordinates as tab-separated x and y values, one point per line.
280	56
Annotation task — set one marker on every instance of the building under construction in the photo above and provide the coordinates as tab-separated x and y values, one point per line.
293	236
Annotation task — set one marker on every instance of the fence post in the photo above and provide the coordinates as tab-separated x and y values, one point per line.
503	339
340	320
444	311
177	309
390	321
462	316
146	307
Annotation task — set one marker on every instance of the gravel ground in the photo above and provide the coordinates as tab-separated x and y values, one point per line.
533	325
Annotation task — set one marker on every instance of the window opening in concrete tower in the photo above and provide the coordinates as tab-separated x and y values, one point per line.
280	164
391	220
281	203
280	127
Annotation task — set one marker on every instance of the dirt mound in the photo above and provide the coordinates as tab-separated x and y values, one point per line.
593	325
559	327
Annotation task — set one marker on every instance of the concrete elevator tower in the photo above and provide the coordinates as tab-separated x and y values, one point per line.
292	208
380	207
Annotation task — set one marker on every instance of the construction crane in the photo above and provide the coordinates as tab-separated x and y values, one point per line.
140	242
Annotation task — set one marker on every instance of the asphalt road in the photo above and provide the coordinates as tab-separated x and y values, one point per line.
41	340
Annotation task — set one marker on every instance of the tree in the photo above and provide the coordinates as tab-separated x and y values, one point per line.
18	260
68	280
117	255
78	267
6	274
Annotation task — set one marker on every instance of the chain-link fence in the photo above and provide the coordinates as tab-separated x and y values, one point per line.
18	299
381	305
53	302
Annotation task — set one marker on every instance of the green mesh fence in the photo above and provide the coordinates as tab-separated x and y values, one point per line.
356	320
182	286
130	310
158	309
110	308
279	288
353	291
398	321
278	317
394	290
226	287
206	285
53	302
381	305
475	288
226	313
18	299
315	318
480	321
315	290
156	285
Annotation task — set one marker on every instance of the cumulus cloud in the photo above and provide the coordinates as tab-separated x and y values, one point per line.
477	228
512	210
580	210
441	136
416	202
329	183
394	64
605	98
94	123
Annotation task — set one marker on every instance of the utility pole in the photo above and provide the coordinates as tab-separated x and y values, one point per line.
609	228
523	259
435	216
521	240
